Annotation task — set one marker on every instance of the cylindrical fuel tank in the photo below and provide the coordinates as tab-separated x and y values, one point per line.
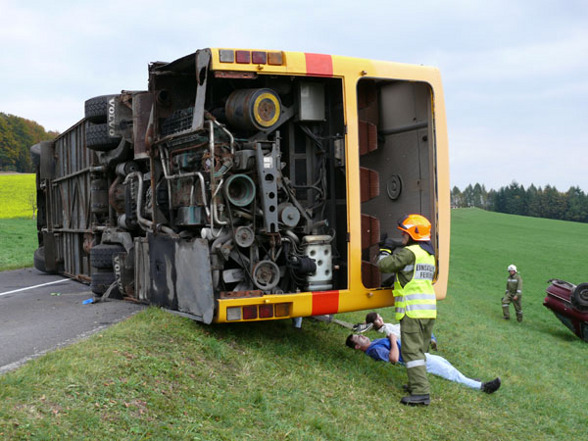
253	109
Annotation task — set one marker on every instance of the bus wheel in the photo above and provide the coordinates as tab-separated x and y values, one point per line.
101	255
39	260
98	138
101	281
96	109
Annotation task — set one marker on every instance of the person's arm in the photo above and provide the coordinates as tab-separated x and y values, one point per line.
394	352
519	291
395	262
391	328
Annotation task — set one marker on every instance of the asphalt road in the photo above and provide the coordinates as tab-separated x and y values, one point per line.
41	312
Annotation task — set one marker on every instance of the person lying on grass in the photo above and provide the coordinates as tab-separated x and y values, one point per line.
389	350
391	328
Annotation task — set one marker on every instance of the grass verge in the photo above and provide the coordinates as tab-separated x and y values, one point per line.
18	241
159	376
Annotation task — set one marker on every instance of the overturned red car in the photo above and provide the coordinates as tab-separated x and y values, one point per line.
569	303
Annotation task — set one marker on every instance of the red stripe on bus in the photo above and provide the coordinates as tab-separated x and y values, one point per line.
319	65
325	302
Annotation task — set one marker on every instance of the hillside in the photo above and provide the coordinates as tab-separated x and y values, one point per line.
17	135
159	376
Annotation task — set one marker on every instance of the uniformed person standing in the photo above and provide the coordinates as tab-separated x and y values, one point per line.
415	301
513	293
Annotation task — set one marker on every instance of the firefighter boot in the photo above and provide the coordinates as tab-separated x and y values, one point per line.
416	400
506	312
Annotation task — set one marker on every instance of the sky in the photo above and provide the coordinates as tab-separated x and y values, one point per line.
515	72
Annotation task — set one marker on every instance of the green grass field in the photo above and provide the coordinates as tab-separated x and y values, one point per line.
18	229
18	242
158	376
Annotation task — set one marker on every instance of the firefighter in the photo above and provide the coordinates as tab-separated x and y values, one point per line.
414	297
513	293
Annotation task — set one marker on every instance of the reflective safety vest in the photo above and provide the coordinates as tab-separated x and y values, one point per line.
417	298
514	284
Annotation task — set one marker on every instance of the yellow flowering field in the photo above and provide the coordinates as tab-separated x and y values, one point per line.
17	195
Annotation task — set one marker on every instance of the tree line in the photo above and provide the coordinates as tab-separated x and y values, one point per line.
545	202
17	135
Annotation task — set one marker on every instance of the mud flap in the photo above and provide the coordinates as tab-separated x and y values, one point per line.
181	277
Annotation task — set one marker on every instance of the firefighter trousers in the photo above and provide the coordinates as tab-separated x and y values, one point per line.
415	335
507	300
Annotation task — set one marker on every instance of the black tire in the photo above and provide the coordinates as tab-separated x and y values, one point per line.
98	138
580	297
39	259
101	255
101	281
96	109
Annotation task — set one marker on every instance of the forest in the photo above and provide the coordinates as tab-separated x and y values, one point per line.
546	202
17	135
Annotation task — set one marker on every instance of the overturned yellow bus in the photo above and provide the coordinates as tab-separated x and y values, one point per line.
247	185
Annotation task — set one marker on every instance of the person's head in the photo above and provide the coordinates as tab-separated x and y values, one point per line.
358	341
414	227
512	269
374	318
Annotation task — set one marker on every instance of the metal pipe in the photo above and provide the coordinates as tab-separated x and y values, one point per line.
213	187
210	117
165	158
214	213
292	236
79	172
70	230
146	224
229	134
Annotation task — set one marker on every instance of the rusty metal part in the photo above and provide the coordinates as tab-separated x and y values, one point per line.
116	196
237	75
240	294
88	242
142	131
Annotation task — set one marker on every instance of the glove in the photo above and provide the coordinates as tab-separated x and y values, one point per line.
383	254
389	244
